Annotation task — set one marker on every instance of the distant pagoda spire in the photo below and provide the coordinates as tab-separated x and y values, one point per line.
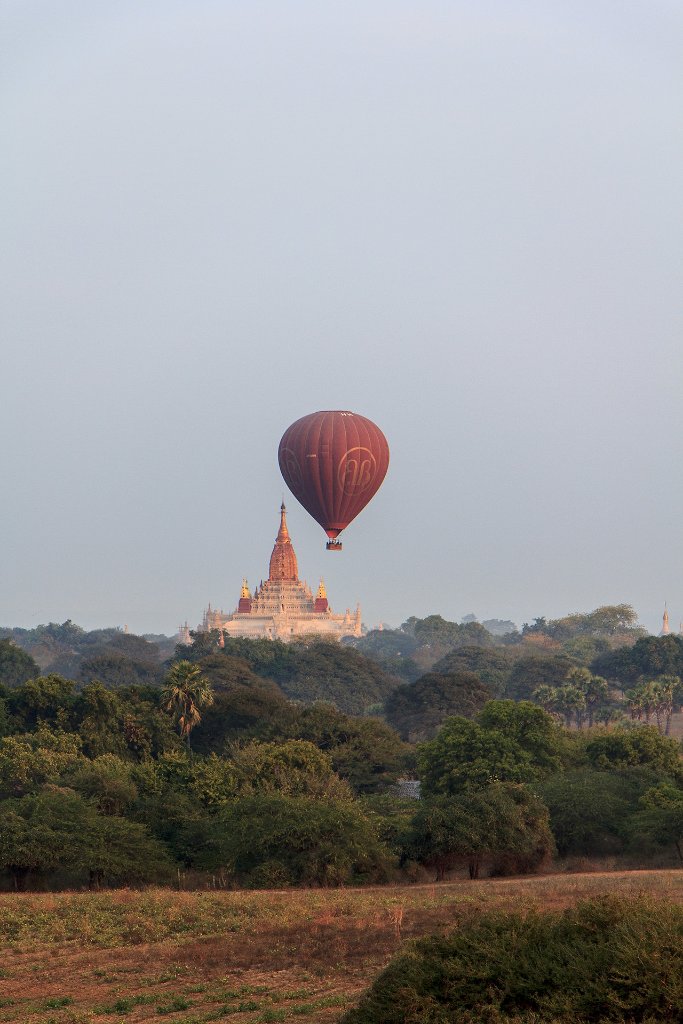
283	565
665	622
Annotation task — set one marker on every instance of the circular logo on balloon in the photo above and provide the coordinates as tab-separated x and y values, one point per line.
356	471
290	467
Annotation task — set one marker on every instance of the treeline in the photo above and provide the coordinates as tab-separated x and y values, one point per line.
100	787
115	657
265	764
418	644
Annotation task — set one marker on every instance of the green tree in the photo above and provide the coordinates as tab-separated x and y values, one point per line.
660	817
392	817
212	781
502	822
293	768
366	752
117	851
594	689
28	762
5	721
243	702
581	697
42	832
436	631
655	697
570	702
384	643
148	730
185	693
58	829
274	839
533	729
507	742
590	810
650	656
492	664
416	711
546	697
640	746
331	672
463	754
45	699
114	669
529	673
616	622
99	715
16	666
499	627
107	780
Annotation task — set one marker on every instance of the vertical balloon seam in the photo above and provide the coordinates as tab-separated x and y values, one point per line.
313	446
353	439
327	464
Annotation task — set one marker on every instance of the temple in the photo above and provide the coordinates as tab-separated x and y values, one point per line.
283	607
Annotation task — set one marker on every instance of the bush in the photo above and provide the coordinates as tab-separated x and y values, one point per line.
615	959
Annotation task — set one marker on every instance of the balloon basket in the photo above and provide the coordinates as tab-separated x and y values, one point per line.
334	545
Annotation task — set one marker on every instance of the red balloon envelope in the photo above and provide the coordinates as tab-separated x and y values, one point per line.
333	463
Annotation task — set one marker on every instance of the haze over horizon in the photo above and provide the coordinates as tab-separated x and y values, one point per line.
462	221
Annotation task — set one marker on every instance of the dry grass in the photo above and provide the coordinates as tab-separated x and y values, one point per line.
190	958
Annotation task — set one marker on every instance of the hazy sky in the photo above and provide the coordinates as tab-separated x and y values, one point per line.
461	219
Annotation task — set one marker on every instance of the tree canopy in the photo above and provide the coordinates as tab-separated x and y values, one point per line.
506	742
417	710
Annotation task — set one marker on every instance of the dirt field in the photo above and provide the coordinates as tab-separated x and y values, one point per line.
81	958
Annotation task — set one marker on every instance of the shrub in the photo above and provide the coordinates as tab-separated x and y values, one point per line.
614	959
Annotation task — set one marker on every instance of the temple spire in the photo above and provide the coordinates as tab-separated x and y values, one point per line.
283	532
283	564
665	622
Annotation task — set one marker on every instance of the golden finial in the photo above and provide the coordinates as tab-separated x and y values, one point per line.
321	589
245	588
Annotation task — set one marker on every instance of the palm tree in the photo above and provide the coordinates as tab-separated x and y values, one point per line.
571	702
663	690
635	703
594	689
546	696
186	691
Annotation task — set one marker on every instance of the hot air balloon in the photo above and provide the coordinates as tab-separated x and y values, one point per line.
333	463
